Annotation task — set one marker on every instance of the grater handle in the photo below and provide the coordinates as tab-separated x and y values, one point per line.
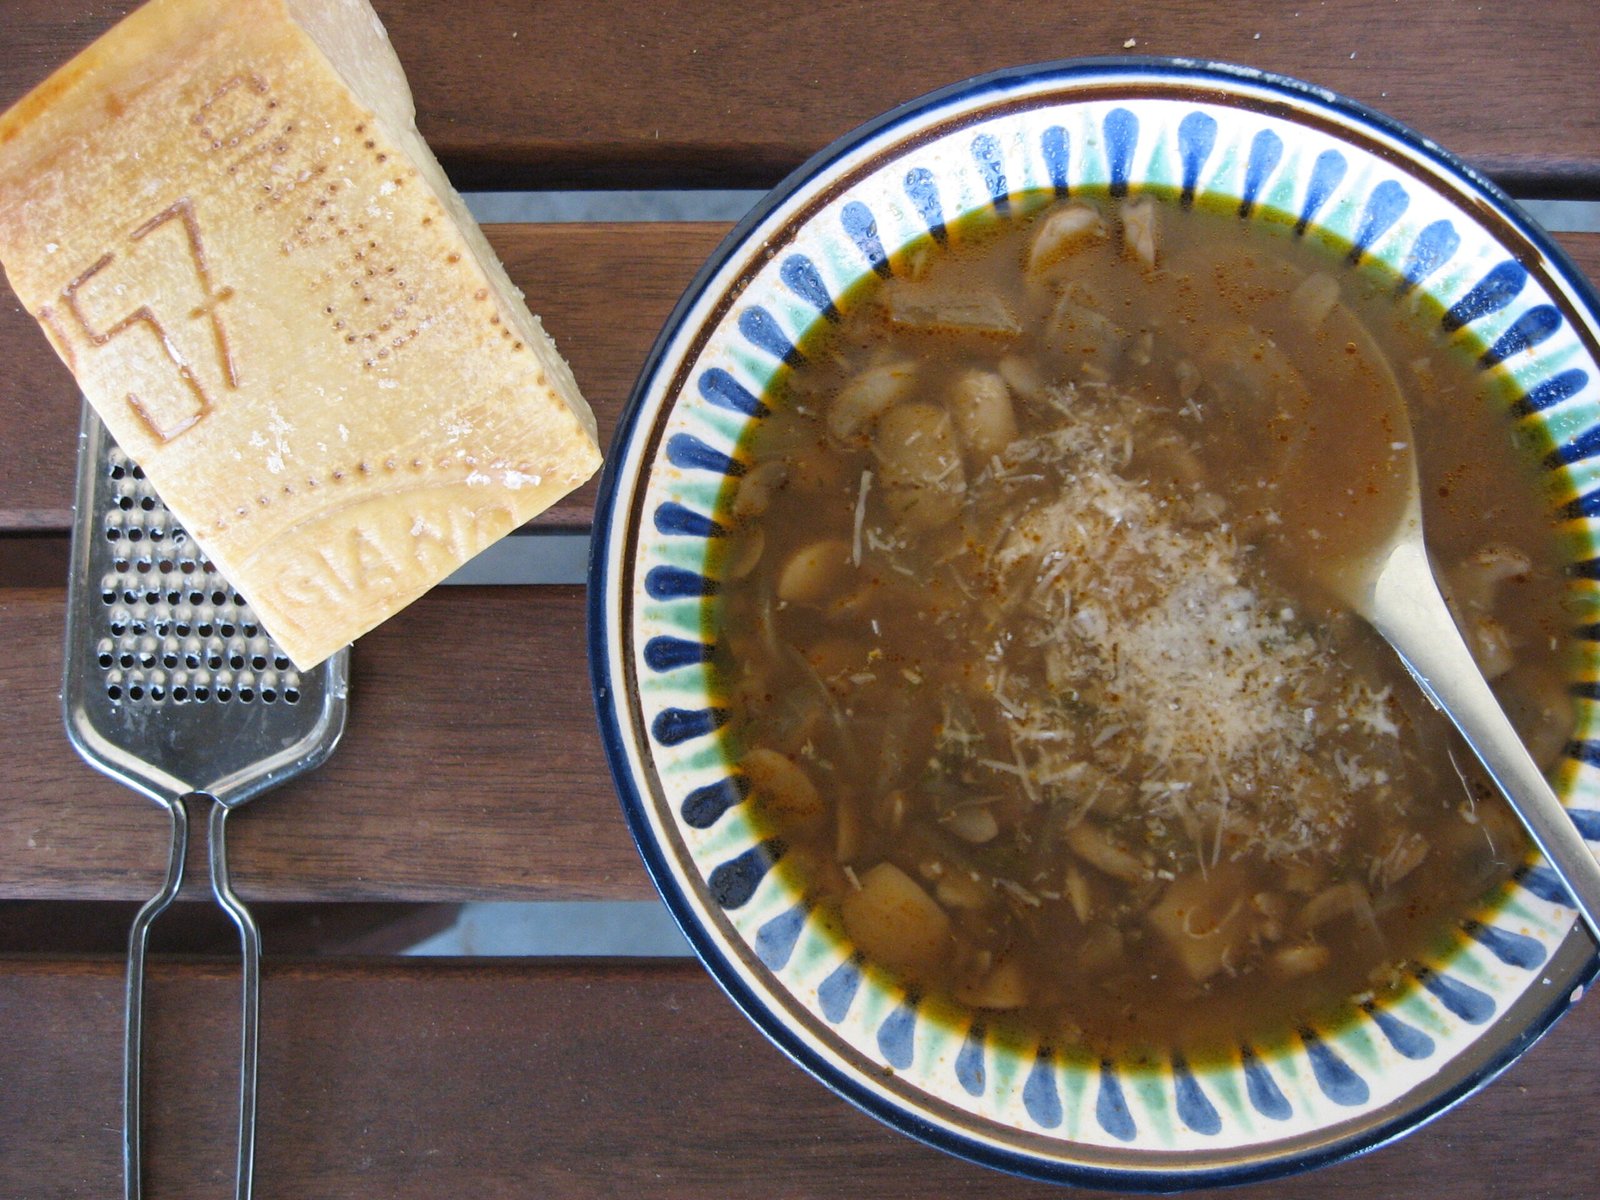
250	1007
133	1023
250	1000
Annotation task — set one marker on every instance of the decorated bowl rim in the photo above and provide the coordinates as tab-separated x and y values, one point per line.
1531	1015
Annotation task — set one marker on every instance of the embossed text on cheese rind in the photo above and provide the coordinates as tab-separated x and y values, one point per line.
173	397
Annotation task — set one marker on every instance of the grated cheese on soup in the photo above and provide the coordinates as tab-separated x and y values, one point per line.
1170	657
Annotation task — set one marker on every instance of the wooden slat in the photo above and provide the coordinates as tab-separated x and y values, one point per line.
513	1079
723	93
470	769
603	291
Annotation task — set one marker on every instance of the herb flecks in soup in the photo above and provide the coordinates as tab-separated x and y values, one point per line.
1023	660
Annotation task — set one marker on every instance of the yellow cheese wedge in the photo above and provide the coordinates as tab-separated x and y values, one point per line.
227	224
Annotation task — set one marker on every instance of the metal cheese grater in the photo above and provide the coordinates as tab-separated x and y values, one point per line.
172	688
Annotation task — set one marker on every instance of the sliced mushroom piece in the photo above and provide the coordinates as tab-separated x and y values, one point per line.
744	552
1094	846
814	572
1206	920
973	823
1302	958
783	790
757	487
1060	232
924	484
1004	986
1103	947
1313	299
893	921
980	406
931	309
1340	900
1139	231
868	396
1087	339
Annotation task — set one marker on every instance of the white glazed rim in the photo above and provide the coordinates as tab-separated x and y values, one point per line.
620	518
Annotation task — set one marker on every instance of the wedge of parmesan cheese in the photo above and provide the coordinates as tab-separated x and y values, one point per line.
225	220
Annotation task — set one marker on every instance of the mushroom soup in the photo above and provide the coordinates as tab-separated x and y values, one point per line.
1022	677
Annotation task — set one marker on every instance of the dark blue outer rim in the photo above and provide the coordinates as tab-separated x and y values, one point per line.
1497	206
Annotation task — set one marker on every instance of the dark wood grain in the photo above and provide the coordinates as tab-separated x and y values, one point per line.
470	769
721	93
586	1080
603	291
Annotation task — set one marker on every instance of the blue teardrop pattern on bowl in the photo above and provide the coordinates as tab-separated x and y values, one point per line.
705	806
1513	949
775	941
1575	450
970	1071
675	519
1586	505
733	883
838	991
1056	146
1339	1081
1111	1106
862	228
1546	885
802	278
1408	1041
664	653
1266	1097
1266	149
690	453
1197	134
991	165
1386	204
1462	999
1533	327
1494	291
761	329
1040	1096
1196	138
1433	247
677	583
674	726
923	189
723	390
1122	136
1550	392
897	1035
1194	1107
1327	173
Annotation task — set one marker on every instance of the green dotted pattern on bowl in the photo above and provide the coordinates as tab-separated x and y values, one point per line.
1034	1100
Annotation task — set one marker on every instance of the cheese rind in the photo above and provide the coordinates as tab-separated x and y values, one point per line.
227	224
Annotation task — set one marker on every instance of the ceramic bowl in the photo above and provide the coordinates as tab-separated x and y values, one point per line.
1267	147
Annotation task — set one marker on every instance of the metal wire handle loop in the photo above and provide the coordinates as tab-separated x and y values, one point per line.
133	1020
250	996
250	1000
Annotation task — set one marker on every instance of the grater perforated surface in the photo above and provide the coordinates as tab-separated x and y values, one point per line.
175	632
171	684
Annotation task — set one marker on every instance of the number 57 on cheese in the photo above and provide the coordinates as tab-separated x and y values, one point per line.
225	221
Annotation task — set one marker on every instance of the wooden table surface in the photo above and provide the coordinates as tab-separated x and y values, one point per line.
471	769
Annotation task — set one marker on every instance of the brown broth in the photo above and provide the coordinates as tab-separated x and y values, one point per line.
1023	677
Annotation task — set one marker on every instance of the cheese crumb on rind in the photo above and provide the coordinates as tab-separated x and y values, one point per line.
228	226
